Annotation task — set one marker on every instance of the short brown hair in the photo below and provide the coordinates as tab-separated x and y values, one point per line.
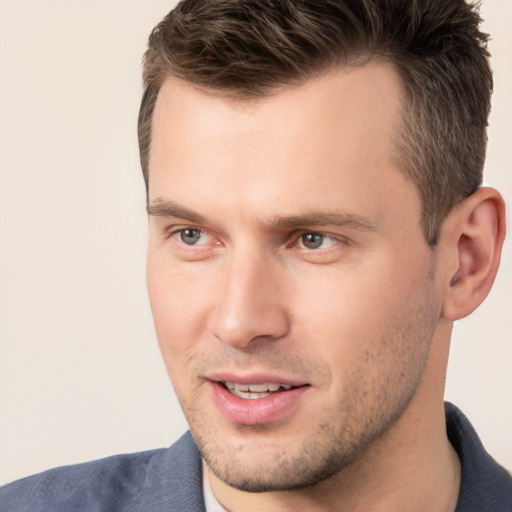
246	48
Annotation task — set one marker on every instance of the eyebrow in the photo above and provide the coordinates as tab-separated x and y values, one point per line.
164	208
343	219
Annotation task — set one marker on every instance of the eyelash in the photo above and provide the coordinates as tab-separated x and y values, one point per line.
178	233
297	239
300	239
182	232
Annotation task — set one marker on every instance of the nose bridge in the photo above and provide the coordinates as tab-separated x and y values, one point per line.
249	304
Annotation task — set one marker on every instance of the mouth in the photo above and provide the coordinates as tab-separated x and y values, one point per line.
255	391
256	400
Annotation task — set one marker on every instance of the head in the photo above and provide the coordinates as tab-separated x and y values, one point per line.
248	49
306	166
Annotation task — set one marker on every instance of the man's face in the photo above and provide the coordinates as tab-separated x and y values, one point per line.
291	287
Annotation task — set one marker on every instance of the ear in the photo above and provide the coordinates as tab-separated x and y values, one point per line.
473	236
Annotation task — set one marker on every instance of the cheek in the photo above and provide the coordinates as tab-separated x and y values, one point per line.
352	311
179	311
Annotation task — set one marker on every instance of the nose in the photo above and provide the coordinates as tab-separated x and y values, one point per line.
249	302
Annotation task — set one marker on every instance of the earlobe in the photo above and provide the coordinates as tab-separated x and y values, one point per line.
476	239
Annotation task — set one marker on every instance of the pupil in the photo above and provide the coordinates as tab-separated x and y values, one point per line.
312	240
190	236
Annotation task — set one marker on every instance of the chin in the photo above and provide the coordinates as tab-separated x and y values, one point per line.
273	464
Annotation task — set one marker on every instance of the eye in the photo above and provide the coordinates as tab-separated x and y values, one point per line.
191	243
190	236
314	241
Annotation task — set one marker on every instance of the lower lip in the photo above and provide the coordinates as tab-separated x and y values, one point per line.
255	411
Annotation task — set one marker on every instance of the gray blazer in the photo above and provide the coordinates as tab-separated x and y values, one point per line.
169	480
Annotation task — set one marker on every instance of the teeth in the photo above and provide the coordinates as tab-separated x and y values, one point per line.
252	391
259	388
250	396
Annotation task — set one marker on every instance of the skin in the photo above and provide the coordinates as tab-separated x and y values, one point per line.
363	319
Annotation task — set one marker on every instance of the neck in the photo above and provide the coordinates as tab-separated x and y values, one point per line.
420	474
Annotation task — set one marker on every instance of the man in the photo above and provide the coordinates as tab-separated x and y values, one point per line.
317	224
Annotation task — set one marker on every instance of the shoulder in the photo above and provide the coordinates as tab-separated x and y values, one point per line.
164	479
485	485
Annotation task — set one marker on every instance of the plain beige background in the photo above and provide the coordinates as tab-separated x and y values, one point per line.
80	373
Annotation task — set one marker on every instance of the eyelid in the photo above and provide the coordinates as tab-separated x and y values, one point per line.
175	231
203	250
175	228
324	241
297	235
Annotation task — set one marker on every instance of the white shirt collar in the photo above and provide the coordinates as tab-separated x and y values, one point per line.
210	501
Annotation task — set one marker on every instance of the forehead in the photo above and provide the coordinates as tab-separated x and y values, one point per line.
325	140
345	94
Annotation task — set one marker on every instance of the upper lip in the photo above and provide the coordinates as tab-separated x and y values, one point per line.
254	378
